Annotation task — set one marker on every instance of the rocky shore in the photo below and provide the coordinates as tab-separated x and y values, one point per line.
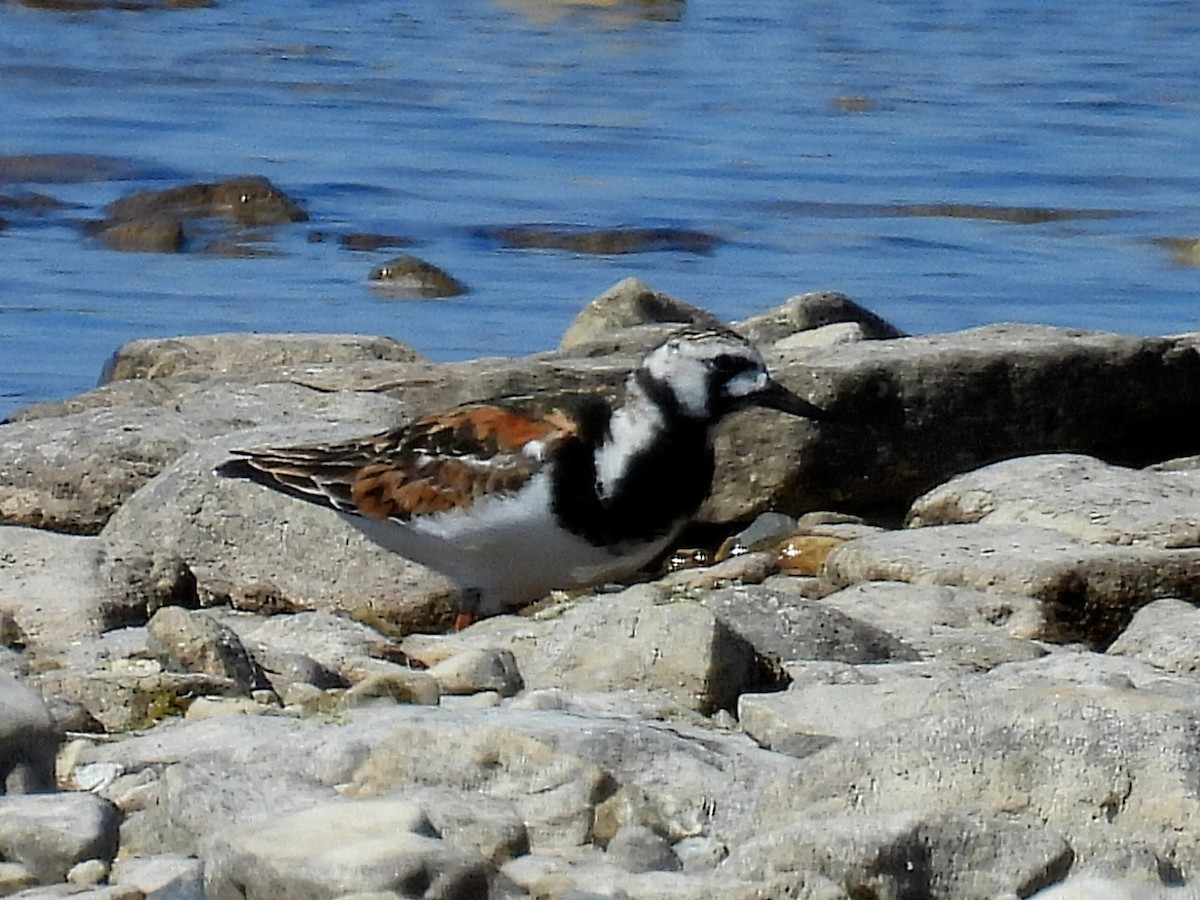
950	650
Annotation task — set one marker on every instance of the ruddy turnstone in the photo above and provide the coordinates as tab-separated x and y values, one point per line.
514	497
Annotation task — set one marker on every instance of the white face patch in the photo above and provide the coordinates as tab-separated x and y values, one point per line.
689	367
749	382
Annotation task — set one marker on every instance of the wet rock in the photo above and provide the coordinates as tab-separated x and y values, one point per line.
213	355
144	235
1089	591
410	276
1077	495
29	739
807	312
344	847
360	241
64	168
603	241
627	304
49	833
250	200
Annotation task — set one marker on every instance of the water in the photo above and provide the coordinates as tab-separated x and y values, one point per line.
803	134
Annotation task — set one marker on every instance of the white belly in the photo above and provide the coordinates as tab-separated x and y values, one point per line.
510	548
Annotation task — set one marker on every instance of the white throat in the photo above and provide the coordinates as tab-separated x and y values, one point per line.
633	427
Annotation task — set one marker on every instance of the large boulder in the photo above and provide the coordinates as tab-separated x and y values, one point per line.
912	412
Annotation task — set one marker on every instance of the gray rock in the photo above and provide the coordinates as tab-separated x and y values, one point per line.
29	739
343	847
213	355
337	644
821	338
626	304
49	589
134	695
808	312
479	669
638	849
1093	748
952	624
1077	495
638	639
231	536
555	792
1089	591
489	826
915	411
167	876
1165	633
964	857
787	627
70	473
828	702
50	833
398	685
188	641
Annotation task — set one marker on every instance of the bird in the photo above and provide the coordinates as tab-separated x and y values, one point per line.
516	496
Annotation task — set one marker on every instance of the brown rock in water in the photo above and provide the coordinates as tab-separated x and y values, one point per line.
250	200
146	235
410	276
603	241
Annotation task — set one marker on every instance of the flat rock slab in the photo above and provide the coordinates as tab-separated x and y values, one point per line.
72	472
213	355
338	848
1090	590
1075	494
1098	749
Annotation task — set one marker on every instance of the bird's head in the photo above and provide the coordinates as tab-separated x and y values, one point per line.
705	375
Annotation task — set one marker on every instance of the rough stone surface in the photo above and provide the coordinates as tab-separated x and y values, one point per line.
29	739
1075	494
1088	590
50	833
346	847
213	355
809	312
912	412
72	472
260	550
190	641
626	304
1165	633
476	670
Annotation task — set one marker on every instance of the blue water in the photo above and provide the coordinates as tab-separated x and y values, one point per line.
797	131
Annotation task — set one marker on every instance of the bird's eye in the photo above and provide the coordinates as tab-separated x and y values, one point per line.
729	365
